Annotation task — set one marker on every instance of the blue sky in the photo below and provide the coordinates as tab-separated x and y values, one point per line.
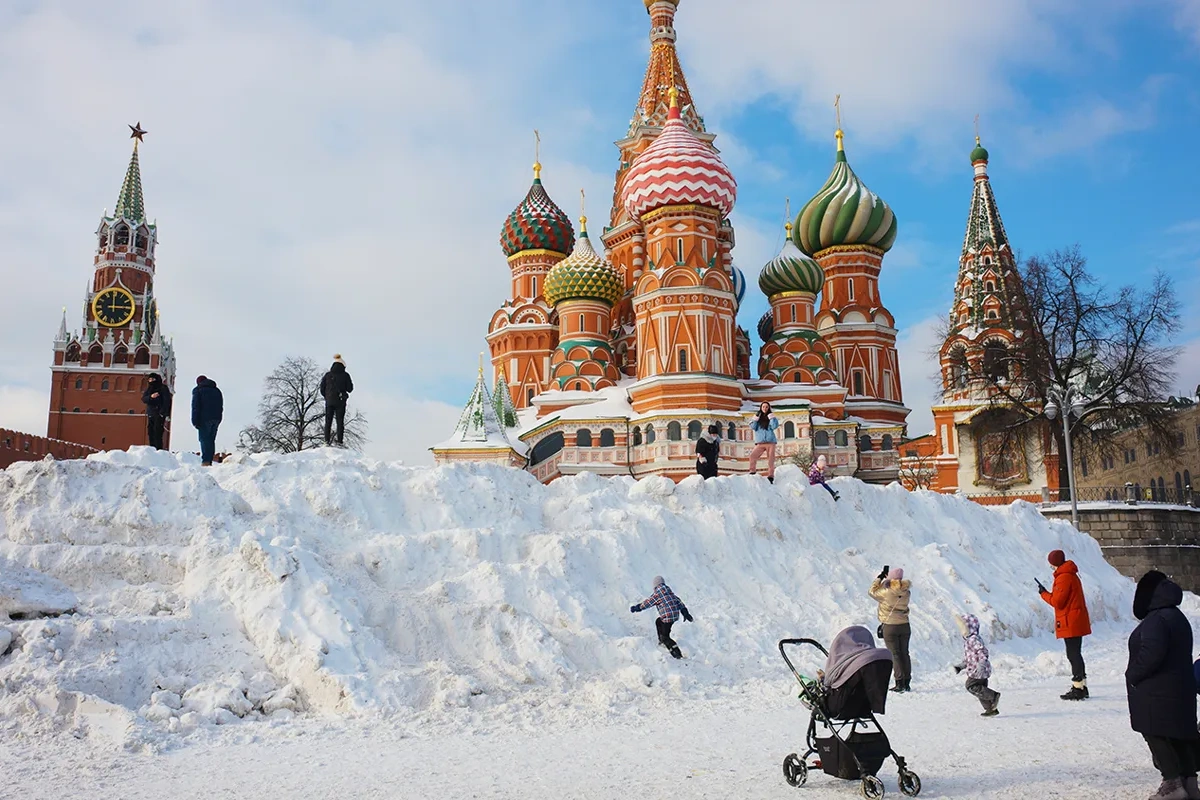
336	183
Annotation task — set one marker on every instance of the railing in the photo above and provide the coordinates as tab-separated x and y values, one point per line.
1130	494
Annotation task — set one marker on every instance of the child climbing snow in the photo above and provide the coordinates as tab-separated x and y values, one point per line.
816	475
977	664
670	609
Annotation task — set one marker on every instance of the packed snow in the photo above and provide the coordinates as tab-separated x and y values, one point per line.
155	606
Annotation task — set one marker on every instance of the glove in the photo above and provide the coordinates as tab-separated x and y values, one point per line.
883	573
958	668
688	617
1041	589
633	609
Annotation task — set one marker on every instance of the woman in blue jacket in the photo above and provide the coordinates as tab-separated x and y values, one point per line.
764	425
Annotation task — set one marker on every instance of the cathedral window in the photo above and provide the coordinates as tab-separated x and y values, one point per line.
694	430
73	352
674	431
821	439
840	438
650	435
995	361
637	436
142	356
679	250
104	411
142	240
529	397
704	250
797	377
76	409
608	438
859	388
121	235
993	315
534	292
864	444
104	385
850	285
886	443
991	287
793	308
789	430
958	369
583	438
683	361
732	433
103	237
78	383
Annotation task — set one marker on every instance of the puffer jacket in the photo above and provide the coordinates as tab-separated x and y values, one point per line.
893	598
976	660
815	475
764	435
1158	679
1070	606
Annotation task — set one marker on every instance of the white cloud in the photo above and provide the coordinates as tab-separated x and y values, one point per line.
919	372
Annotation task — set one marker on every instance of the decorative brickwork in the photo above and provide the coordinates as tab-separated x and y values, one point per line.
16	446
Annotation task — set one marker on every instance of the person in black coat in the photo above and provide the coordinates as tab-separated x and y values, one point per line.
336	387
1161	686
708	451
208	408
157	398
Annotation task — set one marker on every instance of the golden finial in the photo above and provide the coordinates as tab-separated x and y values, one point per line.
582	211
481	366
976	130
537	155
837	110
787	216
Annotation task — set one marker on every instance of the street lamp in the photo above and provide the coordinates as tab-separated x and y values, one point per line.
1072	402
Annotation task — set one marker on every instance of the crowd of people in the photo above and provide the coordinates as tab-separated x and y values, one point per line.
208	409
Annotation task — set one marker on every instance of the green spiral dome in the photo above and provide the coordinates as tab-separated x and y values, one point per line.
844	213
791	271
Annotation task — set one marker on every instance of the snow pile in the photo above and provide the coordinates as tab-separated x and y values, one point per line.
333	585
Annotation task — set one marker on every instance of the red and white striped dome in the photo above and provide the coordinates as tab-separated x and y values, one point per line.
678	169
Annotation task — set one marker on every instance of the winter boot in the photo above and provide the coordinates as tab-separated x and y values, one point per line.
994	707
770	479
1078	691
1189	785
836	496
1170	790
675	652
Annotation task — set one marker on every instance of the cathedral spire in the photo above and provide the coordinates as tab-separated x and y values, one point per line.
664	73
130	204
983	224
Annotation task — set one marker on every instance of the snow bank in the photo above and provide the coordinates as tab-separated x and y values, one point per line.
334	585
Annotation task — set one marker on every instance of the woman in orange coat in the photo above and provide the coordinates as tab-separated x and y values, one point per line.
1071	621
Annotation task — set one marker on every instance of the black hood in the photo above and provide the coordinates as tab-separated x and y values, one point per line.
206	383
338	367
1155	591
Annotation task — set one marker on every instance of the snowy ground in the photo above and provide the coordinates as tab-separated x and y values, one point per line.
295	626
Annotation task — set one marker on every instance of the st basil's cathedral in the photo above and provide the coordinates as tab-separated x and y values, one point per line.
612	356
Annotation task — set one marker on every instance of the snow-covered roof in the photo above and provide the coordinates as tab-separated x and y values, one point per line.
479	427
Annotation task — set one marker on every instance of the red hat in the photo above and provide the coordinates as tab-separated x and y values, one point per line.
201	379
1056	558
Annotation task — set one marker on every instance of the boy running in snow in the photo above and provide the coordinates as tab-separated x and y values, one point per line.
670	609
977	665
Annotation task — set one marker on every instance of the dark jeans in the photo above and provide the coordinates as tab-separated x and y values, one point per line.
1174	758
332	413
208	440
664	633
155	425
1075	657
896	638
829	489
979	688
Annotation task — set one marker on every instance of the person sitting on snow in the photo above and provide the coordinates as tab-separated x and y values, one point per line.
816	475
670	609
977	664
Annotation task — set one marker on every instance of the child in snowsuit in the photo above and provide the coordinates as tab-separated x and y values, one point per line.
977	665
816	475
670	609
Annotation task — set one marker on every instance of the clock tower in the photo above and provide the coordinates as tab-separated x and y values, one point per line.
99	371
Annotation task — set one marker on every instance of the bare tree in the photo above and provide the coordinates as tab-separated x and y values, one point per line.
291	413
917	470
1112	346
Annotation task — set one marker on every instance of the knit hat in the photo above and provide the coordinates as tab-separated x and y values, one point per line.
658	581
337	359
895	574
1056	558
201	380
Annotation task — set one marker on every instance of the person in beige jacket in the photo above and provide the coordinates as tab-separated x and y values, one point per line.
892	593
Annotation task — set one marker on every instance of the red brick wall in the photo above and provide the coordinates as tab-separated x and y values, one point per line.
97	416
16	446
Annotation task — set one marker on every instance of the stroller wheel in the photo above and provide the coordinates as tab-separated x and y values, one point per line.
795	771
910	784
872	787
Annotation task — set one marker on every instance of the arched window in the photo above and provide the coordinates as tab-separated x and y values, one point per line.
104	411
142	240
840	438
637	436
579	386
583	438
793	307
528	392
797	377
581	325
1187	480
958	368
1179	486
120	355
75	409
858	383
78	383
991	287
103	236
607	437
993	315
886	443
679	251
650	435
821	439
864	443
104	385
73	352
683	365
121	235
95	353
142	356
694	430
995	361
731	435
546	448
674	431
789	430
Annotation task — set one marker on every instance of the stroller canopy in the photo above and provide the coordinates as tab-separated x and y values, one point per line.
852	649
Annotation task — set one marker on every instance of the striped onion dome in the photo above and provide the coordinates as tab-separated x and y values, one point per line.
844	212
739	283
678	169
537	223
791	271
583	275
766	326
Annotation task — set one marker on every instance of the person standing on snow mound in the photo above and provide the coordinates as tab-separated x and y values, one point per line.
208	408
336	387
977	664
1071	620
708	451
764	425
670	609
157	398
816	476
893	593
1161	686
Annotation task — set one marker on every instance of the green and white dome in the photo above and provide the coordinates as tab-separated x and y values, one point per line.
844	213
791	271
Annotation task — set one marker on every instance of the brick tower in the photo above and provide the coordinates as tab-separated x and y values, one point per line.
98	374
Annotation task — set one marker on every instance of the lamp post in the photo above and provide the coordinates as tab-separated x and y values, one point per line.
1071	402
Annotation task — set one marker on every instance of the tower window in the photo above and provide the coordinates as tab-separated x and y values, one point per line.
991	287
608	438
674	431
650	435
704	250
679	250
637	436
789	430
104	385
529	396
104	237
793	308
850	284
858	383
141	240
694	430
75	409
683	361
121	236
534	280
78	383
581	325
821	439
583	438
104	411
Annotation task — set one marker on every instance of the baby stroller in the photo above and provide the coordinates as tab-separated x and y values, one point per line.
849	743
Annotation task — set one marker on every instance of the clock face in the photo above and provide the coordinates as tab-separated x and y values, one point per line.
113	307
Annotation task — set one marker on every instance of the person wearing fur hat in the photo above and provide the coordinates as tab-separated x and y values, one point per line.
893	593
1161	686
977	664
336	387
670	609
1071	620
